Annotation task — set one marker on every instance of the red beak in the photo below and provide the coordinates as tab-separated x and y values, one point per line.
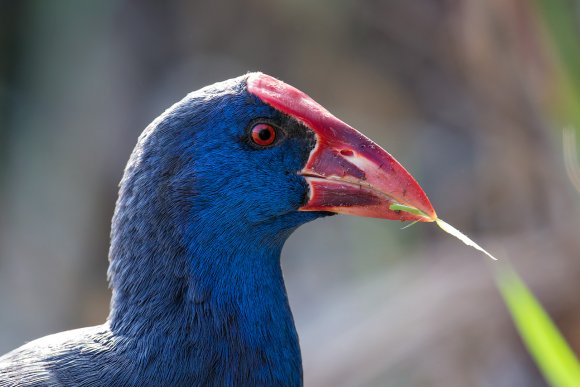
347	172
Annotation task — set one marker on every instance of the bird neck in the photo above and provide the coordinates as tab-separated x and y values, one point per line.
208	300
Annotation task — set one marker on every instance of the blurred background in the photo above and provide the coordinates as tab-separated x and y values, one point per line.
471	96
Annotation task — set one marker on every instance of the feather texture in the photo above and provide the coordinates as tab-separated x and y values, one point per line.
198	294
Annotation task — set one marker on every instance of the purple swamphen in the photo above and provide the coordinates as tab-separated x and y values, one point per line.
212	190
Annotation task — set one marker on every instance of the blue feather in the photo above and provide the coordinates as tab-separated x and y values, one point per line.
198	294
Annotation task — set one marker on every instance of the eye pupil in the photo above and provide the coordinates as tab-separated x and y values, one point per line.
263	134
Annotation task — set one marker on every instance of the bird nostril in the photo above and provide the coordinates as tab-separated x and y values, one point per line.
346	152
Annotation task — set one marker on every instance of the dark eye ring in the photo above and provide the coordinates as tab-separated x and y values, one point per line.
263	134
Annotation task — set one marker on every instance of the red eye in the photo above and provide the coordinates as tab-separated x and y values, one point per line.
263	134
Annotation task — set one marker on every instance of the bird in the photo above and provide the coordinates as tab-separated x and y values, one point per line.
212	190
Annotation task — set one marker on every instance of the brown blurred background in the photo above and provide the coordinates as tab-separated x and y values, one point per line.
471	96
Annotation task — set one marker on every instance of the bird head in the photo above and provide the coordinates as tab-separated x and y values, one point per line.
279	158
256	152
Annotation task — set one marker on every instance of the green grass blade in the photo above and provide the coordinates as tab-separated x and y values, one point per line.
548	348
409	209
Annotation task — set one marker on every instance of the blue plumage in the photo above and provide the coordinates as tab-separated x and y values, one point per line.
198	294
207	200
